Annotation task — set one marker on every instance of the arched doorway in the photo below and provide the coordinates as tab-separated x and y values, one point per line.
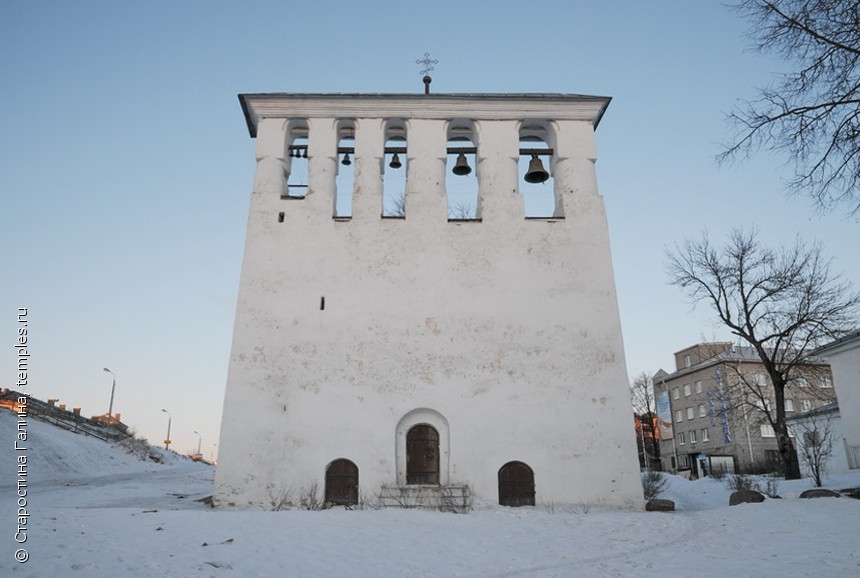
341	483
516	485
422	455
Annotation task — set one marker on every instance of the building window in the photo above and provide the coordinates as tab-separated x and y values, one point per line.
685	461
682	439
758	379
676	393
767	431
802	382
679	415
702	411
687	390
699	386
772	458
811	438
693	436
763	404
789	405
687	361
705	436
826	382
691	413
805	405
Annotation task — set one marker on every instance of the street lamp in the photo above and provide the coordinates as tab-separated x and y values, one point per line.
112	388
169	420
199	441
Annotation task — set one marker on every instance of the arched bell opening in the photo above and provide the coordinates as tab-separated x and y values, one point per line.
537	184
461	178
394	171
297	161
345	181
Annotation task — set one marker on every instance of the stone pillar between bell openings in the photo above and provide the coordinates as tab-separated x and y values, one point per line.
322	168
425	183
573	168
272	167
498	153
369	157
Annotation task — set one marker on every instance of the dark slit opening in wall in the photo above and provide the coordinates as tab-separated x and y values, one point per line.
322	303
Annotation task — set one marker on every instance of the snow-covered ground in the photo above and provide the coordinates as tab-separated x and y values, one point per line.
96	511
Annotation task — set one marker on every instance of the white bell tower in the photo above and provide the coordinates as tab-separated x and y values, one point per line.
401	336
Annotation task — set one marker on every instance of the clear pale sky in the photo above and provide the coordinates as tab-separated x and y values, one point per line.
126	165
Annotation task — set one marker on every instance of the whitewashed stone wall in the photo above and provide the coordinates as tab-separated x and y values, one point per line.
844	359
503	334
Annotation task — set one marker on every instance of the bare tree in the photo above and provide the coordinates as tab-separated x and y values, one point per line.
462	212
782	302
645	410
813	113
748	396
397	208
817	445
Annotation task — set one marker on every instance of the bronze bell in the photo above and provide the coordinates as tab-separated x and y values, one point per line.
395	162
536	172
462	166
346	160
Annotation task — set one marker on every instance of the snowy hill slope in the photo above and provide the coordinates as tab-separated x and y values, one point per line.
96	511
58	456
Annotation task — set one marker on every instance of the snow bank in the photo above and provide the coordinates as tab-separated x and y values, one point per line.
126	517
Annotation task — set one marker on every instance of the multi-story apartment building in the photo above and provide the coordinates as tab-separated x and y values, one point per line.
712	409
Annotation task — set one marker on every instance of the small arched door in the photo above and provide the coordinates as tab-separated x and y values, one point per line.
516	485
341	483
422	455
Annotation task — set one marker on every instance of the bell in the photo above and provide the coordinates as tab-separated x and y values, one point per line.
305	153
395	162
346	160
536	172
462	167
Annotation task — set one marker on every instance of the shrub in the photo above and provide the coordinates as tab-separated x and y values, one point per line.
310	498
653	484
741	483
771	486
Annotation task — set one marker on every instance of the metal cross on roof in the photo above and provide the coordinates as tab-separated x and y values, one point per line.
427	63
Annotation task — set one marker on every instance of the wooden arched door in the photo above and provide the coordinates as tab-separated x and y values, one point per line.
341	483
422	455
516	485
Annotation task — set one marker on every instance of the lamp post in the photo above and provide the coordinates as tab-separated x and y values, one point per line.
199	442
169	420
112	389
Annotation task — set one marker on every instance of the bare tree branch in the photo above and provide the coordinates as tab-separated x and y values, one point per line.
782	302
812	115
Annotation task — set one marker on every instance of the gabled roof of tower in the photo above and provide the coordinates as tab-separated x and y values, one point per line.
477	106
